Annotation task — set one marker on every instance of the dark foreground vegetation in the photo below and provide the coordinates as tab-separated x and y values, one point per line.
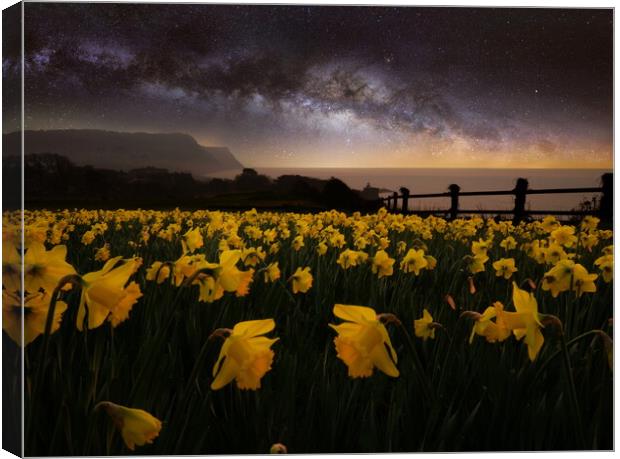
53	181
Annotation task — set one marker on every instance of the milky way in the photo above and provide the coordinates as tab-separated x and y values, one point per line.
333	86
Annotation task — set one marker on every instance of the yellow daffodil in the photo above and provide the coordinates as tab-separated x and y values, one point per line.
606	265
583	281
103	253
298	243
253	256
119	312
337	240
549	223
508	243
88	237
184	267
104	293
192	240
272	272
231	278
363	342
424	326
43	269
525	323
554	253
274	248
535	250
414	262
475	263
564	235
361	243
158	271
492	331
350	258
321	249
431	262
137	427
588	241
382	264
480	247
33	313
301	280
209	289
589	223
245	355
384	243
567	275
505	267
558	278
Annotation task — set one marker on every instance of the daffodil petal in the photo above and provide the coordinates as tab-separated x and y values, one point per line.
227	373
381	359
357	314
253	328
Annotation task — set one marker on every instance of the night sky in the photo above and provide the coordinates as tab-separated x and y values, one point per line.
307	86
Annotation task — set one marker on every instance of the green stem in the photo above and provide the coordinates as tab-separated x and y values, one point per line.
568	344
164	330
434	416
418	365
72	279
573	394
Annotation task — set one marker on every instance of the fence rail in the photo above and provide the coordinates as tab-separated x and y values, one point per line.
520	192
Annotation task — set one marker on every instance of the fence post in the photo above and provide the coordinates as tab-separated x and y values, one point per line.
395	203
454	200
405	192
520	195
606	206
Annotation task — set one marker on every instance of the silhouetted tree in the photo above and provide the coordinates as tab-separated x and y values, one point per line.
250	180
338	195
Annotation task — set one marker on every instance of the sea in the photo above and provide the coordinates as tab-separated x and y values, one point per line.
437	180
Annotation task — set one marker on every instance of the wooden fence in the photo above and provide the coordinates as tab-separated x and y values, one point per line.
520	192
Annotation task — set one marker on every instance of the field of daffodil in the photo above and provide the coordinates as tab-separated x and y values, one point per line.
205	332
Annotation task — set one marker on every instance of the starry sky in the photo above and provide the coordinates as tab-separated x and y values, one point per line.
334	86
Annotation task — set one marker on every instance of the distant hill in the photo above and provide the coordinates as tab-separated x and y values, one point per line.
125	151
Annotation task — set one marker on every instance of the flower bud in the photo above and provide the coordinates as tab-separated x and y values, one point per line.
278	448
388	318
471	315
472	286
554	322
450	302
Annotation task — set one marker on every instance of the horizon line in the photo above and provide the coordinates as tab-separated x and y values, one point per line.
429	167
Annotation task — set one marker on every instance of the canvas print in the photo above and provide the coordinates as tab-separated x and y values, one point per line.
254	229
